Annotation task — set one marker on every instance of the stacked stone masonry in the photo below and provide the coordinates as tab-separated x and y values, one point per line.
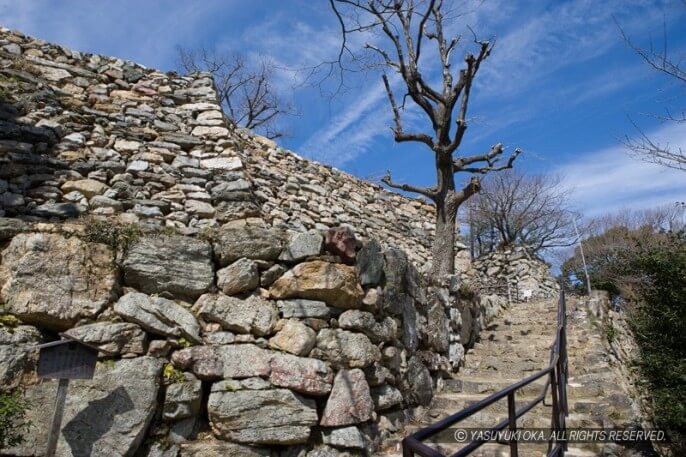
251	341
83	133
236	290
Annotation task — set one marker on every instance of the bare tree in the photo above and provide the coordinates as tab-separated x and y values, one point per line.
246	92
644	147
515	209
407	26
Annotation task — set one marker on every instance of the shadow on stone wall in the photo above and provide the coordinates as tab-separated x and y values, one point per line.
94	421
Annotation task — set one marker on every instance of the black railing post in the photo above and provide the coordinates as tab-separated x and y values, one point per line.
512	423
407	452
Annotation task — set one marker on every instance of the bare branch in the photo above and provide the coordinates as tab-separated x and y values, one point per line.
429	192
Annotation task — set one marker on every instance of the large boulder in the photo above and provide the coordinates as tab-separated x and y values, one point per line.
251	242
277	416
332	283
304	375
105	416
416	383
227	361
176	264
159	316
52	282
16	354
345	349
350	401
113	338
250	315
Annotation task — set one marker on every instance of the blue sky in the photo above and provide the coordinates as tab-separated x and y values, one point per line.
560	84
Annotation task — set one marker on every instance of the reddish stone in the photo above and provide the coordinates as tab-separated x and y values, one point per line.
350	401
342	242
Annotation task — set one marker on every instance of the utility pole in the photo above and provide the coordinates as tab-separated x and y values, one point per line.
583	258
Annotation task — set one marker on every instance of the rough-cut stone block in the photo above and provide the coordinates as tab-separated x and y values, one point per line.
294	337
332	283
346	349
241	276
369	264
218	448
350	401
386	397
158	315
303	375
228	361
302	245
304	309
182	399
342	242
88	187
362	321
112	338
346	437
52	282
250	242
176	264
250	315
277	416
16	354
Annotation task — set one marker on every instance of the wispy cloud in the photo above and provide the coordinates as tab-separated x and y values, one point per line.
609	179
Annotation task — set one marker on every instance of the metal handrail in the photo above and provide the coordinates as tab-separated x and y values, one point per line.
556	372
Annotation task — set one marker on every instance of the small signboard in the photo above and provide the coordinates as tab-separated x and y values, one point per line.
66	359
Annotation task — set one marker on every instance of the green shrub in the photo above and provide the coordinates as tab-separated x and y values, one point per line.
13	407
116	236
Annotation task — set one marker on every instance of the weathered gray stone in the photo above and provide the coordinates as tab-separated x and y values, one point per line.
386	397
77	279
270	275
370	263
10	227
182	399
346	349
16	355
229	361
105	416
218	448
437	327
303	375
362	321
241	276
112	338
346	437
294	337
176	264
417	384
332	283
277	416
250	242
303	309
250	315
158	315
303	245
350	401
183	430
88	187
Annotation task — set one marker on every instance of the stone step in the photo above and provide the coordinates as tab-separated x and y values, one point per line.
489	385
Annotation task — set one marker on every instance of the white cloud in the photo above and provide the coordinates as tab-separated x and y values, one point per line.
609	179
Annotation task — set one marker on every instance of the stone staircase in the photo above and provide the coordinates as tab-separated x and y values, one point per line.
516	345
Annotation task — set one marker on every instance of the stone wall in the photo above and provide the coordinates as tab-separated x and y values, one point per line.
87	133
528	277
244	340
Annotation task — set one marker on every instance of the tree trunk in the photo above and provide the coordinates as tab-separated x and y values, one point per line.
443	249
